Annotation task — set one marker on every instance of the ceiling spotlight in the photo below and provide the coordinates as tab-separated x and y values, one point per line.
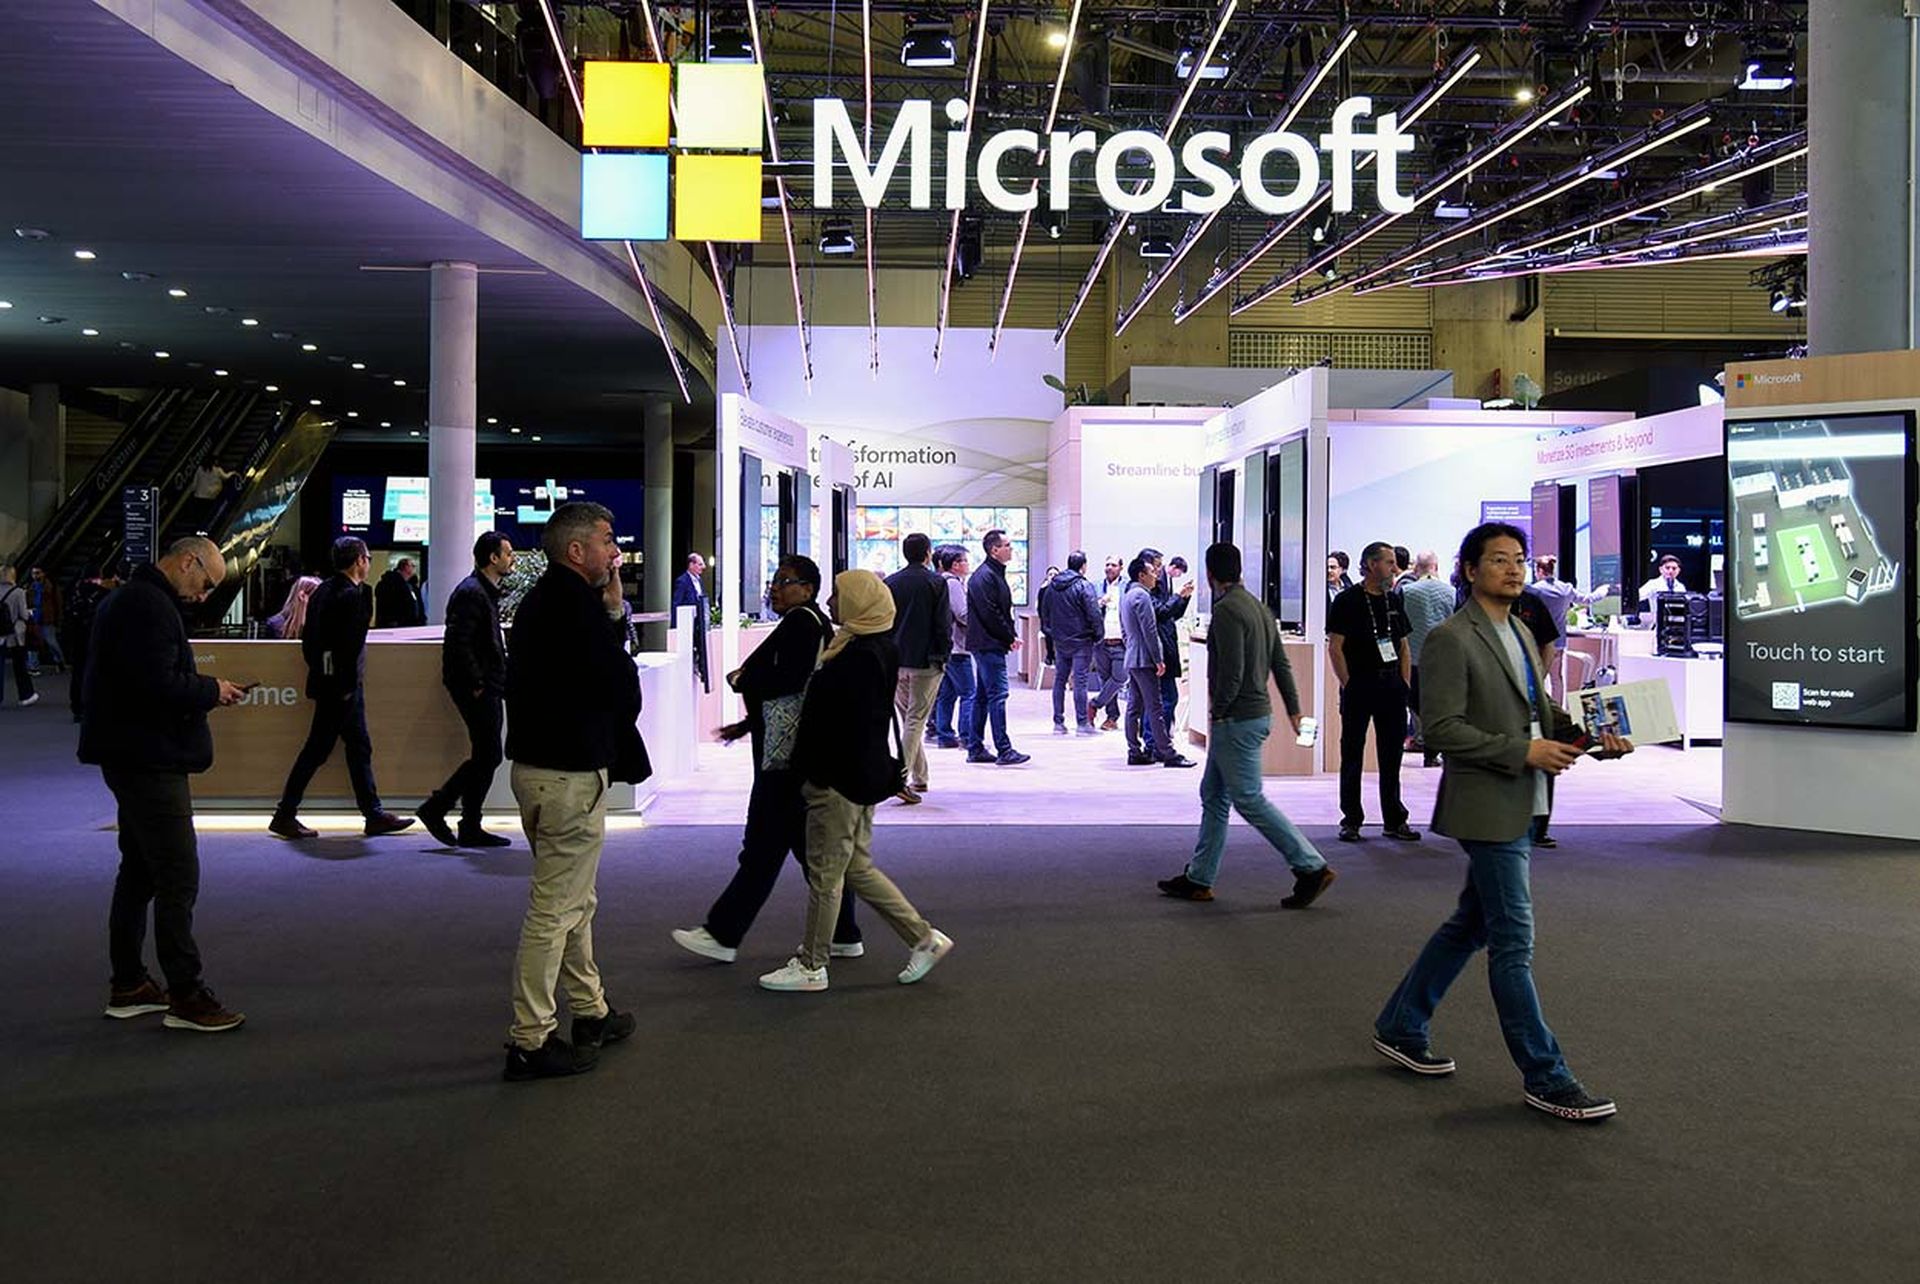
91	333
53	320
219	374
214	310
1189	55
1056	226
4	305
536	436
353	414
313	401
836	237
399	383
1056	39
1692	37
1319	233
1156	247
514	431
1453	211
273	387
1768	72
386	423
1523	95
413	432
928	43
136	277
176	293
492	420
359	365
729	43
162	356
85	256
1781	299
309	347
32	233
248	321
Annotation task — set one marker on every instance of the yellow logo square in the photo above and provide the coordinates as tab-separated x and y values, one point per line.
626	104
716	198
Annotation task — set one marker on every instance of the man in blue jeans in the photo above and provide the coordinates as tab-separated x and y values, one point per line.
1243	649
1486	710
990	635
956	687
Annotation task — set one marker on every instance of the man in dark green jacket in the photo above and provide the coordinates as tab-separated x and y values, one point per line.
1243	649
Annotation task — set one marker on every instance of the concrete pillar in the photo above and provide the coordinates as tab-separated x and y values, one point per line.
16	433
1860	287
451	415
657	538
46	453
1476	337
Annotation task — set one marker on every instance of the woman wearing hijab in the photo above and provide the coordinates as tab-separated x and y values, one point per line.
847	767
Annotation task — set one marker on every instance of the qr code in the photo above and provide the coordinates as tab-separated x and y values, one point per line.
1786	696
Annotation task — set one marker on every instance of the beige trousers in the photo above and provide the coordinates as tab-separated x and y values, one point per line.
913	697
564	814
840	850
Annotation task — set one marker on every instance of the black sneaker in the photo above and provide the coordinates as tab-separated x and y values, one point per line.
1401	833
1546	840
553	1059
1308	886
1178	761
1182	888
1137	759
1573	1103
1420	1058
290	828
1013	758
1350	834
434	820
595	1032
474	836
980	755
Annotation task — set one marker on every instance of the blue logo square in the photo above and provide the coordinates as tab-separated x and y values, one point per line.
623	197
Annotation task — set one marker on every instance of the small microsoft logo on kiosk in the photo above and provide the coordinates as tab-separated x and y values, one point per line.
705	180
1740	380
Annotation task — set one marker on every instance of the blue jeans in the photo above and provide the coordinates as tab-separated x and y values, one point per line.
1232	781
956	690
990	700
1071	662
1495	911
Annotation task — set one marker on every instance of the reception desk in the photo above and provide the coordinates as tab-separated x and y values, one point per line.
1281	756
418	738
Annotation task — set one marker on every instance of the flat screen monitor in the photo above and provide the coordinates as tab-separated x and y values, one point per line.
394	512
1821	630
879	528
1286	543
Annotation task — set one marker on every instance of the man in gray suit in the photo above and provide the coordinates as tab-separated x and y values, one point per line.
1486	710
1146	664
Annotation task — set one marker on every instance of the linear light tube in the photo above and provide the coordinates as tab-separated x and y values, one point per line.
786	208
1119	224
1198	228
1424	102
873	303
1026	217
633	259
953	229
1332	253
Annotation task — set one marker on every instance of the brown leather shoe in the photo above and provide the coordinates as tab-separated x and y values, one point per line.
202	1012
383	823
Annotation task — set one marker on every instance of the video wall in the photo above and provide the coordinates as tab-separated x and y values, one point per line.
1822	627
393	512
878	530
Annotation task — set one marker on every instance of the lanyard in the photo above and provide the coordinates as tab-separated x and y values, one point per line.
1526	662
1384	627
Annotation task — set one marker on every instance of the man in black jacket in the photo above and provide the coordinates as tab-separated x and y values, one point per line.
844	757
573	698
923	632
1071	616
990	635
334	642
396	598
473	668
145	726
778	670
82	605
689	590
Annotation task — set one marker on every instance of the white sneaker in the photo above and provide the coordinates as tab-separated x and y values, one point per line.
795	976
698	940
854	950
930	951
30	700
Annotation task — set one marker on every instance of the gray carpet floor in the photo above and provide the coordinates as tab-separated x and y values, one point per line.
1101	1084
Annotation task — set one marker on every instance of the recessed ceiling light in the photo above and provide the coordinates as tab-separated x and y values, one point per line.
386	423
399	383
4	305
492	420
219	374
1056	40
32	233
136	277
336	360
1523	95
353	414
163	355
52	320
273	387
309	347
175	292
85	256
536	436
359	365
313	401
214	310
281	334
413	432
91	333
249	321
514	431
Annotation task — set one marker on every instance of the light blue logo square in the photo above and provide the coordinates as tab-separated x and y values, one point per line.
623	197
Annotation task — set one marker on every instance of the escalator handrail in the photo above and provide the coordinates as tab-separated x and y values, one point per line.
223	418
102	481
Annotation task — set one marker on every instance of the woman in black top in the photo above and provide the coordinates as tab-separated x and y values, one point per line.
776	817
848	760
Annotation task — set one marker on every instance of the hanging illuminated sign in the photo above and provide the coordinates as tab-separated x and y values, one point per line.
1199	158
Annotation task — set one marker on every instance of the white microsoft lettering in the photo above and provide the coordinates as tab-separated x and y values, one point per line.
911	136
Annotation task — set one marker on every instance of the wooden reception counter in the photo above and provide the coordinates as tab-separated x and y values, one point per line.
1282	756
418	738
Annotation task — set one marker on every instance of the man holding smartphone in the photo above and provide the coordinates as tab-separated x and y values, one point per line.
1487	712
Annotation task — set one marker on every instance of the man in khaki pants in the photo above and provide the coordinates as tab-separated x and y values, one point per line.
572	698
923	633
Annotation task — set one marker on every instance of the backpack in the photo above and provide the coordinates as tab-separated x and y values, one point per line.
14	600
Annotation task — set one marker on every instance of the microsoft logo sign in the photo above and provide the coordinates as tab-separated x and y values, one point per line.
702	178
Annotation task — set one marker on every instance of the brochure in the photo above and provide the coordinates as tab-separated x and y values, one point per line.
1640	711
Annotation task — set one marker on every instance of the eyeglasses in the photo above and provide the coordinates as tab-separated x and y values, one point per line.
785	581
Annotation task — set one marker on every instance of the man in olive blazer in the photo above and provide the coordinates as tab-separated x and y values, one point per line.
1485	707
